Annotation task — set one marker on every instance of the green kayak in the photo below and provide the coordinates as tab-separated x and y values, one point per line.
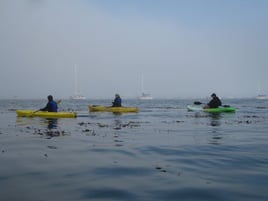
211	110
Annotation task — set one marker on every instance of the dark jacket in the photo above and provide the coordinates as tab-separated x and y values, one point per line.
214	103
50	107
117	102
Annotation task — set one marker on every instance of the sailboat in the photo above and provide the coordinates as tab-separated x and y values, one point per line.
261	96
144	96
77	95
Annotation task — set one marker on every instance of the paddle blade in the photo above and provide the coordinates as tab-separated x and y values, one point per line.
197	103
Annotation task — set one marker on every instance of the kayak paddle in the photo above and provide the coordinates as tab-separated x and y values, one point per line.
197	103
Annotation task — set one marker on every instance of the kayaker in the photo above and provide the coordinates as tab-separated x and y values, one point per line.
214	103
117	101
51	105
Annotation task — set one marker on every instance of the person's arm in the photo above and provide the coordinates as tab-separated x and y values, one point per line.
45	108
210	103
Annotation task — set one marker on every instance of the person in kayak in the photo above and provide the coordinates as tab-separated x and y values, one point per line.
51	105
117	101
214	103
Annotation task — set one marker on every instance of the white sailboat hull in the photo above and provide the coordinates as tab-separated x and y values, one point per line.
145	97
262	97
77	97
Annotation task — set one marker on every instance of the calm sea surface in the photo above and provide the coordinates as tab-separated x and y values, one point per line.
161	153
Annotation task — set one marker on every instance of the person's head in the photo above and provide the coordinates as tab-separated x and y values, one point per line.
117	95
213	95
50	98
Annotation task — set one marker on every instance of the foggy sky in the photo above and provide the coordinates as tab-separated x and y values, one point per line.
183	48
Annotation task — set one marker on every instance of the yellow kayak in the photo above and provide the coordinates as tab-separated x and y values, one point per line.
32	113
100	108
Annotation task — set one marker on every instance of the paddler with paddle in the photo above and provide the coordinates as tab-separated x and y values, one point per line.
51	106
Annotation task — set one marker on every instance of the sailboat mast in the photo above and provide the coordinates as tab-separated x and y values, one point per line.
76	89
142	83
77	95
259	87
144	96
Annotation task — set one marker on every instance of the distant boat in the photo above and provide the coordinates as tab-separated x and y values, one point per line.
77	95
262	97
144	96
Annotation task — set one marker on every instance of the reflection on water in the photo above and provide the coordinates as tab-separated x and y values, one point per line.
215	139
47	127
215	122
23	121
215	119
52	123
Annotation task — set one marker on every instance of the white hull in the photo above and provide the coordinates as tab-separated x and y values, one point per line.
262	97
145	97
78	97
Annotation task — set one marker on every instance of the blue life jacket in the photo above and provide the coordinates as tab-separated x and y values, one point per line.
117	102
52	106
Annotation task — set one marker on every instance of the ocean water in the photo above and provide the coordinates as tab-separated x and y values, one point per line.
161	153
